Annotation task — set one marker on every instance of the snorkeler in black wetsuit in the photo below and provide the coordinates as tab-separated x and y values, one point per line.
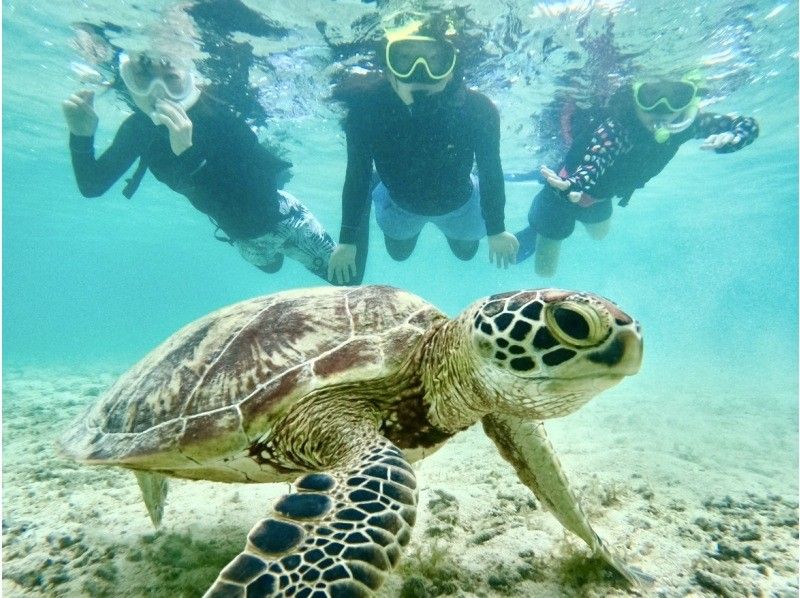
424	130
645	126
200	149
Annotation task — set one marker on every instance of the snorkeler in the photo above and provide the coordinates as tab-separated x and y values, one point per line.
200	149
641	132
423	130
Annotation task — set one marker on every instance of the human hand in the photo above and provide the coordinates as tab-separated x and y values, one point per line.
79	112
174	117
342	264
556	182
715	142
503	249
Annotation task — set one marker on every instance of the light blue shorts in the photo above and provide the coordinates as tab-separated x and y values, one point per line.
462	224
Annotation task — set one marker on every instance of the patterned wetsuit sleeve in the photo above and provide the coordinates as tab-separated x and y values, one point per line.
96	175
355	193
743	127
608	142
490	170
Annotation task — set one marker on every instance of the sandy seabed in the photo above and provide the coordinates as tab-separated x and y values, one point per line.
696	488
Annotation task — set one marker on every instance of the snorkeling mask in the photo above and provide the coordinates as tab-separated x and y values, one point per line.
157	76
666	99
420	59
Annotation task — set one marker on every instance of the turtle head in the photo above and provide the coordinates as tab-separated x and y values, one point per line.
544	353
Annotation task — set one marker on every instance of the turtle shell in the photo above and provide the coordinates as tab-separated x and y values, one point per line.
213	386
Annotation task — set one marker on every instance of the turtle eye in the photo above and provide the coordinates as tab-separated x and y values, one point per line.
577	324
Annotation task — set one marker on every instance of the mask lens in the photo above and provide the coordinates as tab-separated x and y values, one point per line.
144	74
141	73
403	56
668	96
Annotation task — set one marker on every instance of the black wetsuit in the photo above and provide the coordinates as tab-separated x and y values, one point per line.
617	156
621	157
423	153
226	174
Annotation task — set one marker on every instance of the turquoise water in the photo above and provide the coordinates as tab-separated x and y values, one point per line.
706	256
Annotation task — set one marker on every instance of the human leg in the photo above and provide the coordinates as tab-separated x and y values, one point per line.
464	227
273	266
598	230
463	250
552	219
400	249
400	228
299	235
305	239
597	218
547	253
263	252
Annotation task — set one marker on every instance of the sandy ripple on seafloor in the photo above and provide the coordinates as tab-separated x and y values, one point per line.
705	514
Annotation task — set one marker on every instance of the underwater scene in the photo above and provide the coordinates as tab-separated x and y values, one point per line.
400	299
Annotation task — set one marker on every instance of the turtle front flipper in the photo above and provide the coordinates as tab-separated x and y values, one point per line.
525	445
339	534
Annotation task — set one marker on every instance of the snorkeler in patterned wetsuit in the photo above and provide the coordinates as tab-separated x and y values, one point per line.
645	126
423	130
200	149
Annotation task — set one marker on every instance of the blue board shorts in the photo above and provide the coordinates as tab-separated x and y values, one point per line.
462	224
553	216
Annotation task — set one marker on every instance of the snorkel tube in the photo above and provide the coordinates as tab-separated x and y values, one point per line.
663	130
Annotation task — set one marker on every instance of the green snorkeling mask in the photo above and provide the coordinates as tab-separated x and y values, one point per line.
664	96
666	99
420	58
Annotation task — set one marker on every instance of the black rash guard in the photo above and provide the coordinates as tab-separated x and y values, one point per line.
423	153
622	155
226	174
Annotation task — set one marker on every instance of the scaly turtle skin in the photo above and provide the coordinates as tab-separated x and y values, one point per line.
340	390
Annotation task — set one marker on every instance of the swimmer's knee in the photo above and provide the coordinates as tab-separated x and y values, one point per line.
598	230
275	264
546	256
463	250
400	249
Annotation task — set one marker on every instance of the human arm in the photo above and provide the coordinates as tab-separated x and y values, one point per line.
355	199
608	142
724	133
503	245
95	176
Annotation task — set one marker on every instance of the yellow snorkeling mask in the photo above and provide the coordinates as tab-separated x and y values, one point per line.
417	47
417	57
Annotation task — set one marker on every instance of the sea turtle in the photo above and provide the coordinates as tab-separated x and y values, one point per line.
340	390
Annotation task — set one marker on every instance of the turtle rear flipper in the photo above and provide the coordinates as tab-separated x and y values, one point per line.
154	488
525	445
338	535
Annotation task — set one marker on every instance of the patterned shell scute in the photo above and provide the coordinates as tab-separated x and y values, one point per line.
259	352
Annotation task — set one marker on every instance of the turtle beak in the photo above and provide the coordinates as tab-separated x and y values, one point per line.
623	353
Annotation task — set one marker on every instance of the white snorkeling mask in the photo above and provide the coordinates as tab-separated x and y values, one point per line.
157	76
